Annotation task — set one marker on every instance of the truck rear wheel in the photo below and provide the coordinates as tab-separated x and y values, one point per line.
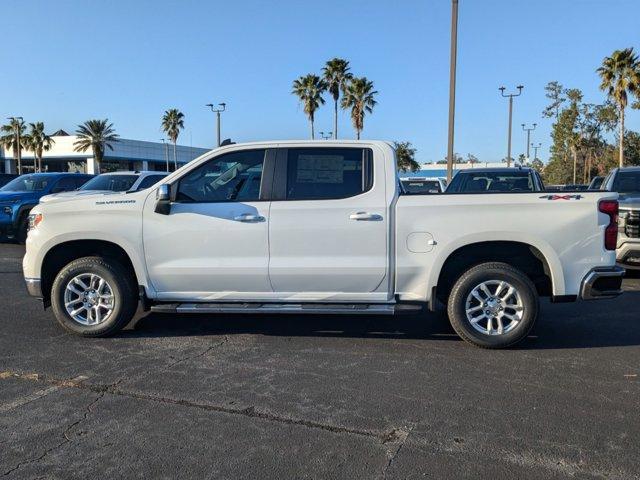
94	296
493	305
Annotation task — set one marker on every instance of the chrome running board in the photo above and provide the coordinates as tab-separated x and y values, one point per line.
275	308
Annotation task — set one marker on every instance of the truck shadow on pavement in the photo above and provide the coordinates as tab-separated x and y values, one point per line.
604	323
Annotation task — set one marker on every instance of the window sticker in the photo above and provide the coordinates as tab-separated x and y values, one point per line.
320	169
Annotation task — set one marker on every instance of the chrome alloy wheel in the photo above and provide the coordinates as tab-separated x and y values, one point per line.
494	307
88	299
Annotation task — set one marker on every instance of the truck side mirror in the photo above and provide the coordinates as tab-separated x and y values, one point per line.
163	199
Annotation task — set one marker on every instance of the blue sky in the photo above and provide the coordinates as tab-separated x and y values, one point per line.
131	60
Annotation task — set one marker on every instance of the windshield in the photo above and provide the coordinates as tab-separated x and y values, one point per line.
421	186
110	182
627	182
479	182
27	183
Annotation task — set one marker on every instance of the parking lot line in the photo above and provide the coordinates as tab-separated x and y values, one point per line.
35	395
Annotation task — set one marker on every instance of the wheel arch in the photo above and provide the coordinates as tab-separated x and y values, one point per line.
537	261
64	252
22	212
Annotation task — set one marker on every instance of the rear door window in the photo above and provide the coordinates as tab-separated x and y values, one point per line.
327	173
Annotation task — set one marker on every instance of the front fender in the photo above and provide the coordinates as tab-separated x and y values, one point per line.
38	245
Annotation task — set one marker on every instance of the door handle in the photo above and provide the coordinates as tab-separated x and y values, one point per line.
249	218
365	216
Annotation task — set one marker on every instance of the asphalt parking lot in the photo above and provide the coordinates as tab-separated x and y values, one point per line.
178	396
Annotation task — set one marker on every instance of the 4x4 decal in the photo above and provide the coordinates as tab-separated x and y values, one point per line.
562	197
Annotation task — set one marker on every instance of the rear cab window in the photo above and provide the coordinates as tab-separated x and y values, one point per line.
421	186
483	182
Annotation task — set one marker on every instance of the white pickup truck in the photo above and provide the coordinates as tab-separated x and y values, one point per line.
318	227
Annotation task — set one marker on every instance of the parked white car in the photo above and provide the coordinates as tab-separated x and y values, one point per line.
111	182
318	227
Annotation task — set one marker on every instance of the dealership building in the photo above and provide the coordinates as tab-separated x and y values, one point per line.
126	155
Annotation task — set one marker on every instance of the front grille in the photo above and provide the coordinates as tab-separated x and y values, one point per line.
632	227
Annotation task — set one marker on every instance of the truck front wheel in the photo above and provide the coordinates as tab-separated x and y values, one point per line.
94	296
493	305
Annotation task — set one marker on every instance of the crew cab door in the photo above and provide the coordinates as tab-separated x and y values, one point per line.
214	243
329	225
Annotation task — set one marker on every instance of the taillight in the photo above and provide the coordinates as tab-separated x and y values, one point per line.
610	207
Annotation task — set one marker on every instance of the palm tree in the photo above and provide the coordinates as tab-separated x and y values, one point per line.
172	123
37	141
309	89
96	135
620	75
359	97
405	157
14	129
336	76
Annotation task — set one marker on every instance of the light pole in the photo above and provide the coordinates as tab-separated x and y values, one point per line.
535	150
452	86
529	130
217	111
326	136
166	152
17	126
510	95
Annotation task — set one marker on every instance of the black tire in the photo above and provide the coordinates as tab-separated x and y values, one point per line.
22	229
123	285
456	306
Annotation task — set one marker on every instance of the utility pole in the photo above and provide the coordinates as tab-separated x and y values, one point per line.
529	130
217	111
510	95
452	86
535	150
166	152
326	136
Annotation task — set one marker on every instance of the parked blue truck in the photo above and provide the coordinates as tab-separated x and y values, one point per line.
21	194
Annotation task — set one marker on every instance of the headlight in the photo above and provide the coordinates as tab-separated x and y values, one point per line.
622	219
34	220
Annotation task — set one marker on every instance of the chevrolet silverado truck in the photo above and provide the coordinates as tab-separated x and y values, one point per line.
626	182
318	227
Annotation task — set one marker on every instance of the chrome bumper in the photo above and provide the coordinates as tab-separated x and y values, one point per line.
33	287
602	282
628	254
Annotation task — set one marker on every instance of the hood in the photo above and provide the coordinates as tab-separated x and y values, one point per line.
59	197
629	201
11	196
